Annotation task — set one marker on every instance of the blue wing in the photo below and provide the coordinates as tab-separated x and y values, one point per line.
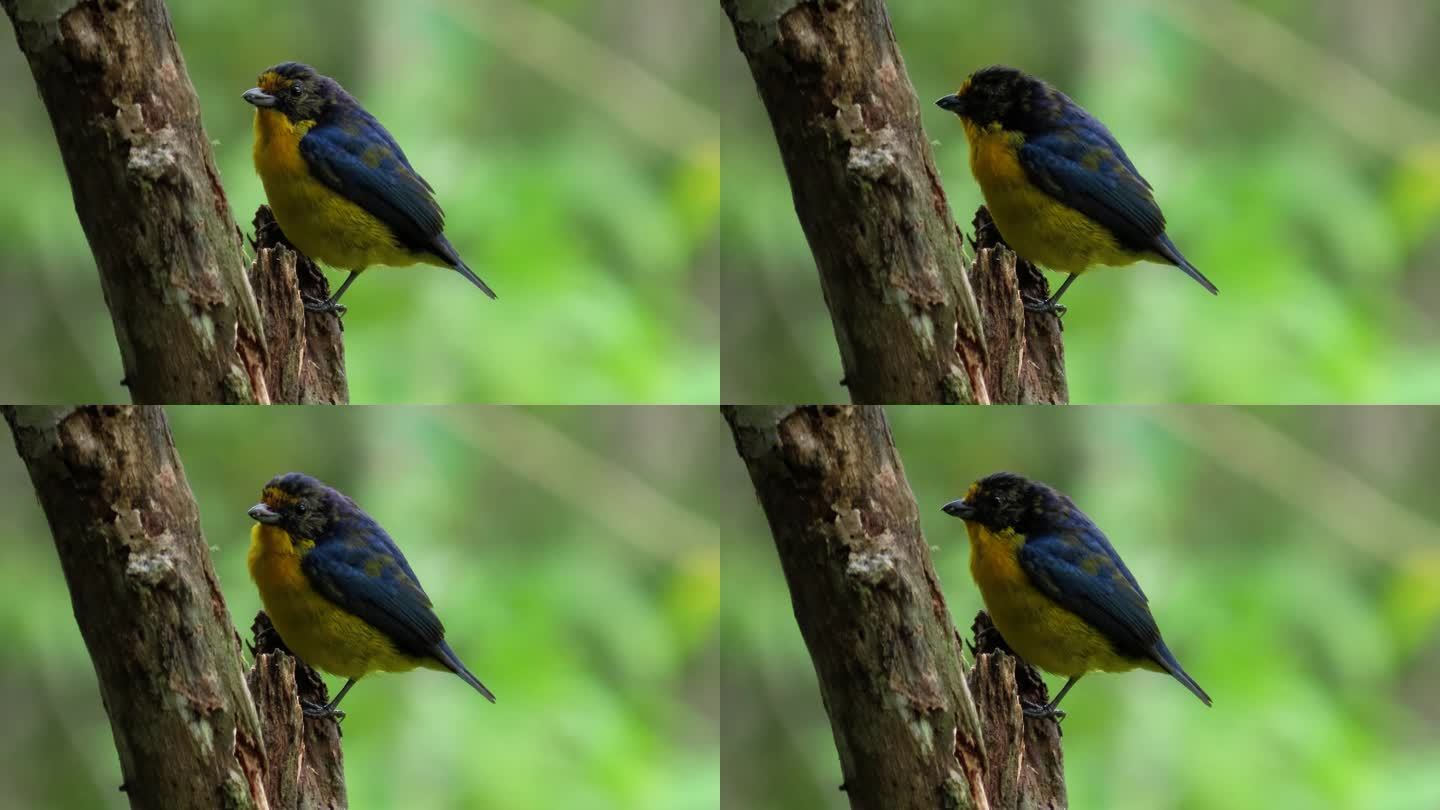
1084	167
360	569
1080	570
358	158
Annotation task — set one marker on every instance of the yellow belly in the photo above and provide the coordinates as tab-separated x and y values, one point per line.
324	225
1034	224
312	626
1034	625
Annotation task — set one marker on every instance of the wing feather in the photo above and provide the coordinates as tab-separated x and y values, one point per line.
1085	168
365	574
1081	571
358	158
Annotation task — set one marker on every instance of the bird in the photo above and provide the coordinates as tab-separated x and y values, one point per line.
338	590
340	187
1058	185
1055	588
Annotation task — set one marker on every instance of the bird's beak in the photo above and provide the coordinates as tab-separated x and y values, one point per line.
263	514
259	97
953	103
959	509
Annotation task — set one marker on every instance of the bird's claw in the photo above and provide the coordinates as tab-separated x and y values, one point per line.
1037	305
316	305
318	711
1040	711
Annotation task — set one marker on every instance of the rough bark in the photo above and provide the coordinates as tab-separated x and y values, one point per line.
1026	355
147	603
159	634
305	351
147	193
306	767
869	199
868	604
1026	764
148	196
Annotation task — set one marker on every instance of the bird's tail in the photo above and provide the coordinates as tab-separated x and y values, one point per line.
1167	661
1167	249
445	251
464	270
451	661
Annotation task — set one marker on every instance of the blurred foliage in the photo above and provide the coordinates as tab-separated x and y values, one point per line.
580	583
576	156
1291	559
1306	192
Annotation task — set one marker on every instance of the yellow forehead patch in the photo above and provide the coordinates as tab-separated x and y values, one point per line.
274	496
963	87
974	488
272	82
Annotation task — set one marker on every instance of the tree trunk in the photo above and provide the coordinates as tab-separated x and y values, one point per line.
869	199
1026	354
150	610
1026	765
306	769
305	350
868	604
148	196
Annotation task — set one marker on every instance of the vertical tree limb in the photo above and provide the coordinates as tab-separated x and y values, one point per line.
868	196
148	196
1027	355
1026	763
149	607
306	766
305	351
147	602
868	604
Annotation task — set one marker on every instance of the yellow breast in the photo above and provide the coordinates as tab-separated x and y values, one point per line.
324	225
312	626
1036	225
1035	626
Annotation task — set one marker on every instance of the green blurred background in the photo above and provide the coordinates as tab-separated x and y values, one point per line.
573	555
1295	148
1291	557
575	152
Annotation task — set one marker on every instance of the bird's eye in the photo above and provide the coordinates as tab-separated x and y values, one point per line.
300	508
296	88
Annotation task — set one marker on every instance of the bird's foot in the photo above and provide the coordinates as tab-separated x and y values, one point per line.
316	710
1038	305
317	305
1041	711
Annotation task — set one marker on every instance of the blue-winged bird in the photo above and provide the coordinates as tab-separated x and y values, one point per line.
1059	187
341	188
1055	588
339	591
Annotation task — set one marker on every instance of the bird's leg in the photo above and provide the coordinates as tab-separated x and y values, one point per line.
333	303
1050	709
1052	305
328	710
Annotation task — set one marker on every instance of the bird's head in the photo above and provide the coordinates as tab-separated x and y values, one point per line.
299	504
1001	95
1006	500
295	90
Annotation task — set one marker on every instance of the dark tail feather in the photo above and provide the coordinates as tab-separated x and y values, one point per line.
1166	248
441	247
447	657
1165	659
464	270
